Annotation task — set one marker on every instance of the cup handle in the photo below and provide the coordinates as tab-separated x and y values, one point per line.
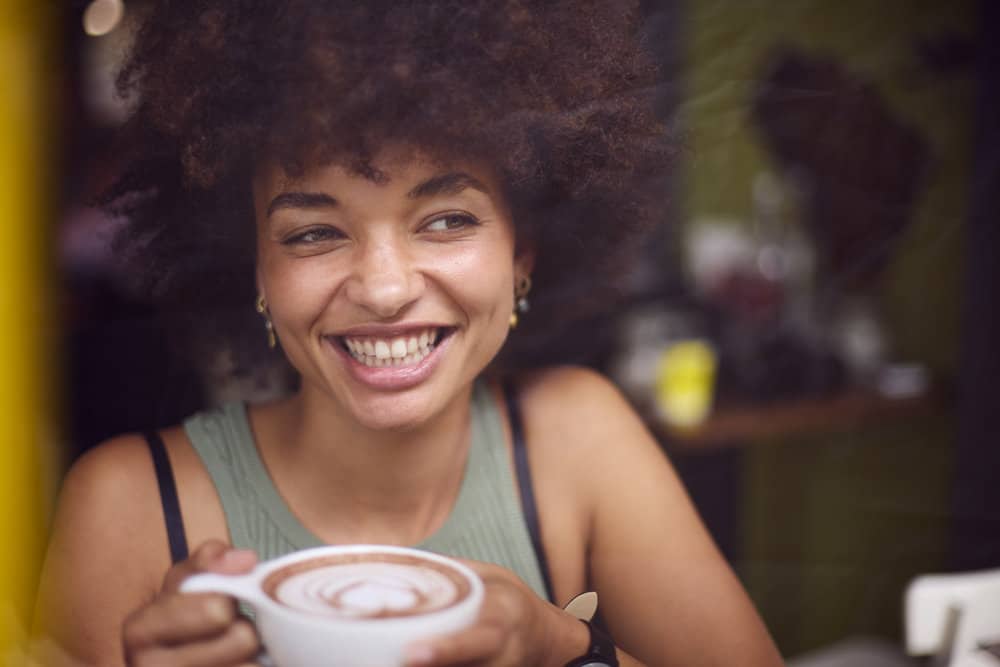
242	586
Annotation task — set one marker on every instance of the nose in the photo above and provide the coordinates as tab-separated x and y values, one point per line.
384	279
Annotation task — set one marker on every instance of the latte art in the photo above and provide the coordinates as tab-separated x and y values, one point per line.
382	586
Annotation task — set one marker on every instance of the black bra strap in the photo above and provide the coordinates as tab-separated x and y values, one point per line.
525	487
168	497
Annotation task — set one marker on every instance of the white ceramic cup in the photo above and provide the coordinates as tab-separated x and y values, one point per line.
351	606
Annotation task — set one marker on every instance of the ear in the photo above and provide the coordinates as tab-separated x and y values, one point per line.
257	283
524	260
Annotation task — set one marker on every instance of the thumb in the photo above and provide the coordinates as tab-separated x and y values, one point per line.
212	556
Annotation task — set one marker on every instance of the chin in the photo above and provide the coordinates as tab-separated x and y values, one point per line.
392	423
393	413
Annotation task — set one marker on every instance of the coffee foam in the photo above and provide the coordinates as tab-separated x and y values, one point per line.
367	586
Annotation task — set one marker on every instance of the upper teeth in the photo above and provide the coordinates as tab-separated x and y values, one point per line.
391	351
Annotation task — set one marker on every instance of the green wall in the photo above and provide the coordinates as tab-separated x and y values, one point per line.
836	523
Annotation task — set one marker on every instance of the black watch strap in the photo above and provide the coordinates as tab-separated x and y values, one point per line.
601	652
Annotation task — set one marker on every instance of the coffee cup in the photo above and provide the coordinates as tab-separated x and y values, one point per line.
351	606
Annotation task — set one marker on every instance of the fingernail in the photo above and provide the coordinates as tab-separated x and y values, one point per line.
419	654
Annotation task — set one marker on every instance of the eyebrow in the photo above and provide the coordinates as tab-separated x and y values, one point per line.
447	184
300	200
443	184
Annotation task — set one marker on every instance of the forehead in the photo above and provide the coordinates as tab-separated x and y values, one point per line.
391	172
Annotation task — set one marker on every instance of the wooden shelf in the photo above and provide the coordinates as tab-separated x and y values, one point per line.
736	425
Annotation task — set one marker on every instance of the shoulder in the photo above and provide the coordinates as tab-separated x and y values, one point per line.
110	498
113	470
585	434
579	426
107	528
580	406
579	380
121	468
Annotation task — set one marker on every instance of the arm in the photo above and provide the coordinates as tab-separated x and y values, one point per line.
103	556
667	593
611	505
100	595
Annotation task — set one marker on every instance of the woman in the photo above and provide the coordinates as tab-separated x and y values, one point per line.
387	185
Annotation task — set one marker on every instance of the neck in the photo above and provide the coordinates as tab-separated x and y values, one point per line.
351	483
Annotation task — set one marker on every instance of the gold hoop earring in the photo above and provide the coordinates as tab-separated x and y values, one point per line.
522	285
261	306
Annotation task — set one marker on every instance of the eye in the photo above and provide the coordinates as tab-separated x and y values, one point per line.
313	235
450	222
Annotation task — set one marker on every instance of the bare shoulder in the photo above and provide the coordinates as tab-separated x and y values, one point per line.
104	555
117	477
576	407
647	554
109	508
580	380
583	428
114	491
116	470
108	551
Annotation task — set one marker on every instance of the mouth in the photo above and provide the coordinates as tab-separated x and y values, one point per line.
407	349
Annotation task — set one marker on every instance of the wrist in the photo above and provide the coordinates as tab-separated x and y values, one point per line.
600	652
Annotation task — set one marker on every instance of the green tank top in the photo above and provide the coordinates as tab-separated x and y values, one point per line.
485	524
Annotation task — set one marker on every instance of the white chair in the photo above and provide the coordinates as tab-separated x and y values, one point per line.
955	617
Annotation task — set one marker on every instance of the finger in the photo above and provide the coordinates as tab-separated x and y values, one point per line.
477	643
212	556
484	570
238	645
177	618
492	573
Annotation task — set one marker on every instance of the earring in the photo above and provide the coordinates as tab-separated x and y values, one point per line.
261	305
521	306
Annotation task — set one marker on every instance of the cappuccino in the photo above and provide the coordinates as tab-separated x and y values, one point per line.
365	586
352	606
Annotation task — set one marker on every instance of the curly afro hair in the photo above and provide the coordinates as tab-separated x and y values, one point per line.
554	94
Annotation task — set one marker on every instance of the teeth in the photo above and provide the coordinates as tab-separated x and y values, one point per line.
401	351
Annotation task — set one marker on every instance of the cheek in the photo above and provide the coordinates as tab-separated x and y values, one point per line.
297	289
481	281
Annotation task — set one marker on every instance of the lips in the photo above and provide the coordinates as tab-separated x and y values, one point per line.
396	359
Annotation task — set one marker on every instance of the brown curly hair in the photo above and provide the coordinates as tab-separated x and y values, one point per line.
554	94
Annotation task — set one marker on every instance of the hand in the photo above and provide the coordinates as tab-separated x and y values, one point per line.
515	628
193	629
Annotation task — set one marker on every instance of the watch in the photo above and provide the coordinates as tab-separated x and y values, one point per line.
601	652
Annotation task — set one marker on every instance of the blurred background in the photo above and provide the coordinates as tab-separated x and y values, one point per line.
811	334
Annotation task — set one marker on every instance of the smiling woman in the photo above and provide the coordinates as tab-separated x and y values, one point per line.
390	293
386	185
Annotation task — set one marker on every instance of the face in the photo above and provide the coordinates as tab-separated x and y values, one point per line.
388	296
